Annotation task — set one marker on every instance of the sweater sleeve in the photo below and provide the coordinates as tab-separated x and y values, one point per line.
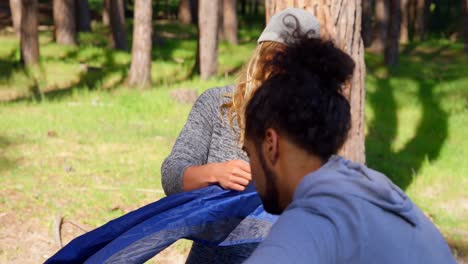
192	146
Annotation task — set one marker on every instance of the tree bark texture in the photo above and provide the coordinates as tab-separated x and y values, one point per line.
106	12
29	33
185	16
366	27
140	68
117	23
393	37
64	21
15	9
382	19
208	37
220	20
341	22
404	31
421	19
83	16
188	11
230	21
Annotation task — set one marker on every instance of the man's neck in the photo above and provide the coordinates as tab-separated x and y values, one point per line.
294	164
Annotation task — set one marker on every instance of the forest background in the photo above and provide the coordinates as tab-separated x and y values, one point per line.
93	94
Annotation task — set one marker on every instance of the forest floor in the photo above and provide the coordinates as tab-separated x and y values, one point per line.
87	149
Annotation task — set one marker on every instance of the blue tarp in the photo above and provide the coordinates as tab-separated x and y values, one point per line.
211	216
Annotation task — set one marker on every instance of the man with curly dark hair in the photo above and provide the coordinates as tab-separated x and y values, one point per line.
332	210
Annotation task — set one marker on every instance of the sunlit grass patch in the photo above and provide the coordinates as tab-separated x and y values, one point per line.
416	130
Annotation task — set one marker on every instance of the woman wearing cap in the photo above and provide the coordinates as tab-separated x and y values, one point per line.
207	150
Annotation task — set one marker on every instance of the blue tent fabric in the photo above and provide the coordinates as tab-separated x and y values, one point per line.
211	216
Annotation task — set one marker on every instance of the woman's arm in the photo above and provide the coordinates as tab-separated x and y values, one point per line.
186	169
232	174
192	146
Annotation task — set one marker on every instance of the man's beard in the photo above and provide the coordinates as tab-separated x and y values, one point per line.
270	196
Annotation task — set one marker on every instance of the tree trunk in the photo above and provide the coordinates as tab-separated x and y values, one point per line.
465	24
64	21
106	12
382	20
230	21
220	20
270	9
392	44
29	34
366	27
208	37
83	16
404	35
140	69
421	19
185	14
341	22
117	23
15	9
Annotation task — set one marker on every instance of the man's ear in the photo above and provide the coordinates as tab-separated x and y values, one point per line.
270	145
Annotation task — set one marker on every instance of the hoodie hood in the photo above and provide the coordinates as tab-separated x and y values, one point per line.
357	215
343	179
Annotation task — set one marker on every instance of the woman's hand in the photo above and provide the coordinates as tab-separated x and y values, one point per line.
232	174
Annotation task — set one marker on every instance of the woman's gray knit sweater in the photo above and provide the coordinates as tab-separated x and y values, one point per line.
206	137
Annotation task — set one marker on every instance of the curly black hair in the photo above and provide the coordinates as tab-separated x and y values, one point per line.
303	99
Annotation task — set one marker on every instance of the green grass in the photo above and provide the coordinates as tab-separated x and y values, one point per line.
93	66
417	126
91	150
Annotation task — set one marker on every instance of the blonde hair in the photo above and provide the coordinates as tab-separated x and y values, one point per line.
253	74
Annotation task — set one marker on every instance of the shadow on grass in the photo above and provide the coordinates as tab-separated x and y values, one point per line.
90	77
431	131
5	163
173	44
9	65
94	69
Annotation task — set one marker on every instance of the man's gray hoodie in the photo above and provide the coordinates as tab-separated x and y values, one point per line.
347	213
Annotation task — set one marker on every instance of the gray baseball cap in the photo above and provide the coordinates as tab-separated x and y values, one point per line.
284	25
